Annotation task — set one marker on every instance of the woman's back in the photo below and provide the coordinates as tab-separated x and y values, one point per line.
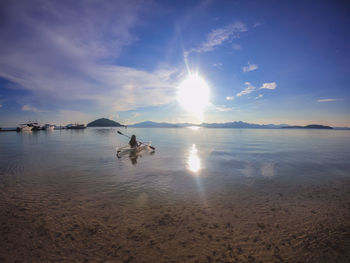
133	142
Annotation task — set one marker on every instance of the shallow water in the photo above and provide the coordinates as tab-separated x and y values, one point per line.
186	161
204	194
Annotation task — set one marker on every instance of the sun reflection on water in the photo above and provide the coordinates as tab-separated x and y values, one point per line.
194	128
193	161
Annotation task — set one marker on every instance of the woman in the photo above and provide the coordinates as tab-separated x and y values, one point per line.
133	143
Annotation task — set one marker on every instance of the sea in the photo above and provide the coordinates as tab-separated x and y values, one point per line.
203	195
186	162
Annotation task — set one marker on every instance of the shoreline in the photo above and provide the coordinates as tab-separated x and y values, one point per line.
271	223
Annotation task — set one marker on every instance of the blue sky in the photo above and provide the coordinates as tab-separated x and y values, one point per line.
264	61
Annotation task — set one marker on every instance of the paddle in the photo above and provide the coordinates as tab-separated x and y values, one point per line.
138	141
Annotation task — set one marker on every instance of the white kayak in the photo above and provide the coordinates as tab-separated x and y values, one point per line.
133	150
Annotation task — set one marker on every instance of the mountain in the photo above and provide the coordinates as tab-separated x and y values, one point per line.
241	124
152	124
236	124
312	126
103	122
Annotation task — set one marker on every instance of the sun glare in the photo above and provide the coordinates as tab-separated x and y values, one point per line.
193	94
193	161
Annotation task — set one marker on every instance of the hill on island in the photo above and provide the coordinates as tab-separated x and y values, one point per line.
312	126
235	124
103	122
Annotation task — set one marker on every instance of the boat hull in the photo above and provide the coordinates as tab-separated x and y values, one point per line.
127	150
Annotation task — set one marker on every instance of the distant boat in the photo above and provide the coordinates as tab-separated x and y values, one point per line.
48	127
25	128
30	126
60	127
76	126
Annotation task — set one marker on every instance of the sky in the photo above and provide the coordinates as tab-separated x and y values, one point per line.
262	61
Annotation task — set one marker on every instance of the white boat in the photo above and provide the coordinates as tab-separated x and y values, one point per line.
25	128
48	127
133	150
30	126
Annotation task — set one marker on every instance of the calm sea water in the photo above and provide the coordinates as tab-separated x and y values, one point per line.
186	161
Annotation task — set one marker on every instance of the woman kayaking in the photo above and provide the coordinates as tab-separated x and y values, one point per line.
133	143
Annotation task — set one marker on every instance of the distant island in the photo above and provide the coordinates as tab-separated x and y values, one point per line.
241	124
312	126
103	122
152	124
235	124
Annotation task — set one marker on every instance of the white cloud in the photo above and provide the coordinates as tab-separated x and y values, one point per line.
259	96
249	89
230	97
271	85
218	65
236	46
223	108
31	108
328	100
257	24
250	67
218	36
68	54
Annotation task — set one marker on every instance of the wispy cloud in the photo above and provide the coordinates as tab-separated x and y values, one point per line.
259	96
230	98
236	46
31	108
0	105
249	89
258	24
271	86
250	67
67	55
218	36
218	65
328	100
223	108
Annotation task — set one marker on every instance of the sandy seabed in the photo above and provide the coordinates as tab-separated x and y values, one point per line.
55	220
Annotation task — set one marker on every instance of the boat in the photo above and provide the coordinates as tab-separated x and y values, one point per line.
133	150
76	126
60	127
48	127
30	126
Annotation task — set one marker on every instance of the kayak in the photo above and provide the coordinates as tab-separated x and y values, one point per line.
133	150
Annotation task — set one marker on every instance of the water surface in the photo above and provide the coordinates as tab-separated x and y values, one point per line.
203	195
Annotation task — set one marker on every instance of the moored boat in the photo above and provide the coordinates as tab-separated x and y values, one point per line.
30	126
76	126
48	127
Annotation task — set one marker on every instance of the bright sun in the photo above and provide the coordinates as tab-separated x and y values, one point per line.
193	94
